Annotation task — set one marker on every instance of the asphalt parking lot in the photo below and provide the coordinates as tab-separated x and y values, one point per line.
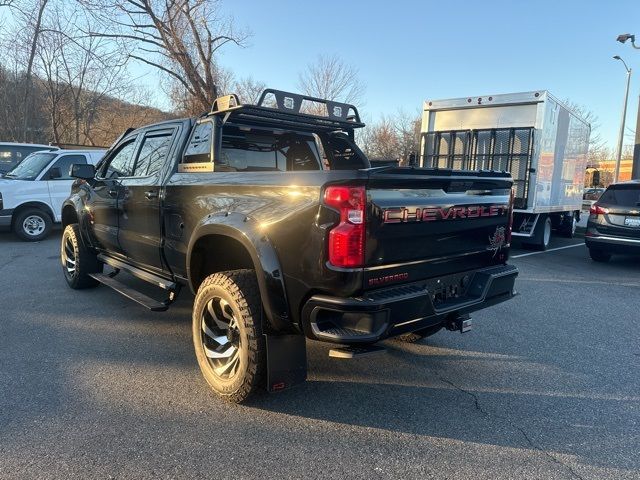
545	386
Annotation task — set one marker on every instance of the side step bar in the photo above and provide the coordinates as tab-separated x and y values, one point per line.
154	305
356	351
135	295
136	272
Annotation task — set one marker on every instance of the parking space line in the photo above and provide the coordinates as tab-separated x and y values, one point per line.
612	282
547	251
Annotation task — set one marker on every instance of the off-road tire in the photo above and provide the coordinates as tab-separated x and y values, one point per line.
43	218
239	288
413	337
85	261
598	255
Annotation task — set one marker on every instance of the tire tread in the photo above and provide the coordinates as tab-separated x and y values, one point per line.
242	285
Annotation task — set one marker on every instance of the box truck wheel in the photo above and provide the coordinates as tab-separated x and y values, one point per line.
542	235
569	225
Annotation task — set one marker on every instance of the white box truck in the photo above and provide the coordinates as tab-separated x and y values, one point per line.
532	135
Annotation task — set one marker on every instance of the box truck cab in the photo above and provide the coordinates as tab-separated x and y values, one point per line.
532	135
31	194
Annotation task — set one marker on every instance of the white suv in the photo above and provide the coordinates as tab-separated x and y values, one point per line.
31	194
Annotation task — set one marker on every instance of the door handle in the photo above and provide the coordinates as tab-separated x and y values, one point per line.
113	192
150	194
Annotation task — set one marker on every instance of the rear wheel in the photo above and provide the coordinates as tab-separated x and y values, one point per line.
32	224
228	335
413	337
599	255
543	233
77	260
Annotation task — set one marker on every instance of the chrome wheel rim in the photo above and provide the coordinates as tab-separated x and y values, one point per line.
221	339
33	225
574	225
68	257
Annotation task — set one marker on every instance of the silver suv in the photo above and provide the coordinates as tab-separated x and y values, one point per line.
614	222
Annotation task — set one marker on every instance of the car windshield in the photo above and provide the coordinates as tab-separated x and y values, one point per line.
30	167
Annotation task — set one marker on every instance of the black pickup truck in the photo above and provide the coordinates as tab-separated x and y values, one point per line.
276	221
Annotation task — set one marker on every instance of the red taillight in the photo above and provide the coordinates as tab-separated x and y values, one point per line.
346	241
510	227
598	210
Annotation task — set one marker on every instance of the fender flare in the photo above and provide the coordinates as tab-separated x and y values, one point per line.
263	256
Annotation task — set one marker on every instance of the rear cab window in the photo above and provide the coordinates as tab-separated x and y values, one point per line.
246	149
625	195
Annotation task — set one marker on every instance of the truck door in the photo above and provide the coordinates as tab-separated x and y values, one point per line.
140	226
103	203
59	181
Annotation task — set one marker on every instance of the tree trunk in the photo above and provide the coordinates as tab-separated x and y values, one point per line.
27	88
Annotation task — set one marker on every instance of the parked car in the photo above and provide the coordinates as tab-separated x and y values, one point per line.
591	196
31	194
11	154
592	193
614	222
236	206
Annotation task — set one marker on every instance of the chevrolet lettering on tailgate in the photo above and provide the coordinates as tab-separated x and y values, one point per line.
429	214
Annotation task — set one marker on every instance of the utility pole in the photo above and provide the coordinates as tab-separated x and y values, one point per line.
635	170
622	122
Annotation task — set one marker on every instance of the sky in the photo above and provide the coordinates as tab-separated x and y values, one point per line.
410	51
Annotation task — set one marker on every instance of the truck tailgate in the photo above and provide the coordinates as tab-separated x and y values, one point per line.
424	223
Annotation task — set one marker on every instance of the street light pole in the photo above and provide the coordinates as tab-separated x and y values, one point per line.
624	116
635	170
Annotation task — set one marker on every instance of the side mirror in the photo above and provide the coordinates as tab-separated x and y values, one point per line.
84	171
54	172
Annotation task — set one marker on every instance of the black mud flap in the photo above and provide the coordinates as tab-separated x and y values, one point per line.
286	361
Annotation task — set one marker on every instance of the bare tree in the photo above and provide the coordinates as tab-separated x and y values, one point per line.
380	141
79	73
393	137
332	79
249	90
178	37
597	145
30	15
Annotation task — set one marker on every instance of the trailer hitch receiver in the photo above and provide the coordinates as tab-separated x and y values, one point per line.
460	323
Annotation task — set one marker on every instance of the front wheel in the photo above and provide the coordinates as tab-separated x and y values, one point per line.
32	225
227	334
77	260
570	225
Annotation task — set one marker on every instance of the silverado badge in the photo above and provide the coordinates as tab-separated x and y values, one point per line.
497	241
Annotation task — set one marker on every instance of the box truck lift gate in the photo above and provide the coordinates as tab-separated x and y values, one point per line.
499	149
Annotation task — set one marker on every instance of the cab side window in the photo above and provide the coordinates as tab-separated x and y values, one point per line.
153	153
121	164
199	148
64	164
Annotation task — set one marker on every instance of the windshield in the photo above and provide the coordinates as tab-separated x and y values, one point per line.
31	166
